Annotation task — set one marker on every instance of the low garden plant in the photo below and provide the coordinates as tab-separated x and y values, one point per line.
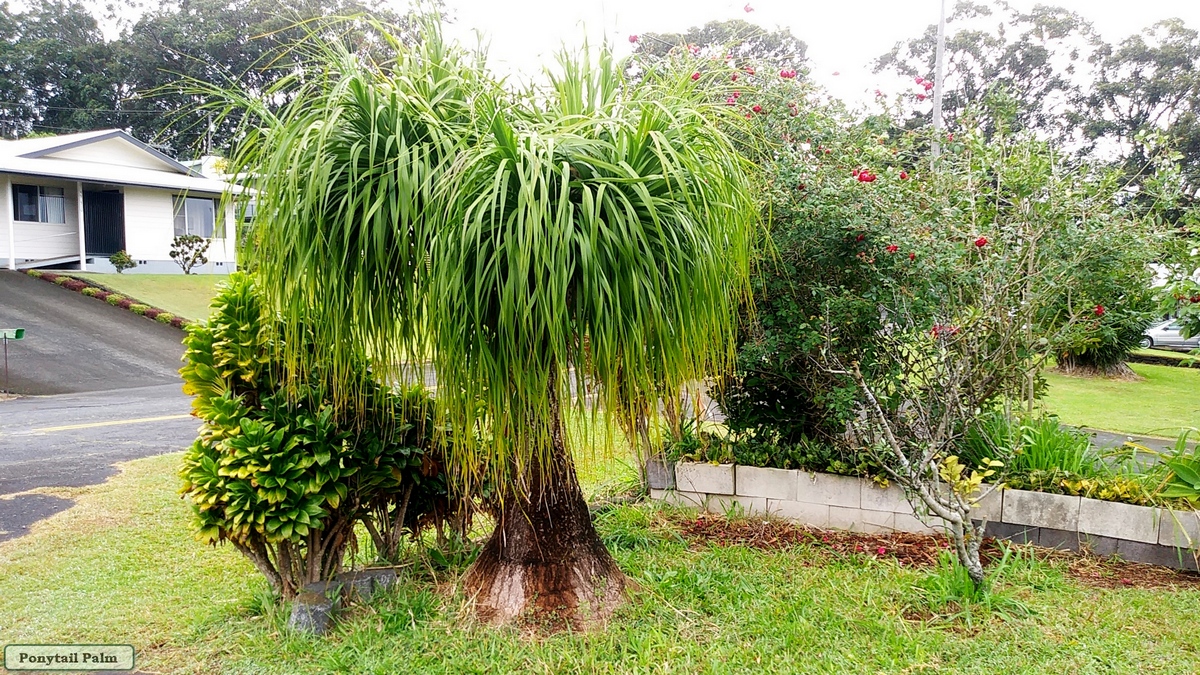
277	473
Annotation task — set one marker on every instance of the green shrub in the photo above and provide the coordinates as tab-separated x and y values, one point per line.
765	448
60	280
164	317
188	251
121	261
90	291
36	274
282	473
138	308
115	299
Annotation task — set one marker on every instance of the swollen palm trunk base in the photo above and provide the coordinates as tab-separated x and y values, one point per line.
545	560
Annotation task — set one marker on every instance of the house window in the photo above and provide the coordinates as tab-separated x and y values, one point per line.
198	215
37	204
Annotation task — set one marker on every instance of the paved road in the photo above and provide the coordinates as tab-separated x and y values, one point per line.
100	385
74	439
75	344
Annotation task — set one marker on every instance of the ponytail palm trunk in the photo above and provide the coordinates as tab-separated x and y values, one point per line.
593	234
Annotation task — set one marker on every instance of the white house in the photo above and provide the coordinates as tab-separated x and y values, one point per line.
131	197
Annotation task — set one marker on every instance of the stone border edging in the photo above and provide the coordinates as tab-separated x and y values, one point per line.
1137	533
105	294
1180	361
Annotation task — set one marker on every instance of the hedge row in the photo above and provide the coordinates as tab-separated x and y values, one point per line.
112	298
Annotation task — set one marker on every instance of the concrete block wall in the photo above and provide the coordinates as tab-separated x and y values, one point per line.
1138	533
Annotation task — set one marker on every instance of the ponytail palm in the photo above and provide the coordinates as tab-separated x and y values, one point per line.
593	234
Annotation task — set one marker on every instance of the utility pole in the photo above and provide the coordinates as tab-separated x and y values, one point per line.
939	75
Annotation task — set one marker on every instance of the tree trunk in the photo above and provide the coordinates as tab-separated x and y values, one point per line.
545	560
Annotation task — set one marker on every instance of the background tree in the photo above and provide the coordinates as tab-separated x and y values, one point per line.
741	40
245	42
1039	61
57	73
1149	84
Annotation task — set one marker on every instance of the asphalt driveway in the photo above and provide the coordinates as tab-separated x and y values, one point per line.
99	385
78	344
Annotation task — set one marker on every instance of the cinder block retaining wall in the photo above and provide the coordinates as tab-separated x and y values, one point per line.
1138	533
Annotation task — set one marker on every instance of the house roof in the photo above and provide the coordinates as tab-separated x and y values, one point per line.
108	156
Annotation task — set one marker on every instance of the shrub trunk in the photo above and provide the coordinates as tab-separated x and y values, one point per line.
545	561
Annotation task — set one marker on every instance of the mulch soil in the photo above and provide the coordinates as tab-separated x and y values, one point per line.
918	550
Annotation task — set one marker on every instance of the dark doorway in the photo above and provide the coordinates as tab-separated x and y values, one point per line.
104	222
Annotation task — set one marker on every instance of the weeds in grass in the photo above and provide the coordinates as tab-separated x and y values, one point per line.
950	595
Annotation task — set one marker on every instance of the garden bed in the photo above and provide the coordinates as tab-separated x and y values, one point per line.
94	290
1137	533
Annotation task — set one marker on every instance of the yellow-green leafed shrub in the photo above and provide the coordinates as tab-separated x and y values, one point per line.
164	317
114	299
90	291
138	308
286	478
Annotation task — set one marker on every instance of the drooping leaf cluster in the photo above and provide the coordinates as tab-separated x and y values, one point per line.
585	239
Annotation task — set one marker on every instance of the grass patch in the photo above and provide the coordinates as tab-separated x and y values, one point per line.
186	295
120	566
1159	404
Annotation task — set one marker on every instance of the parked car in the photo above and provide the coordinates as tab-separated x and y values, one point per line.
1165	335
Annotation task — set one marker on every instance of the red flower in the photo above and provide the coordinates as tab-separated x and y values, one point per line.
949	138
981	242
940	330
749	71
881	550
878	94
919	80
695	76
735	77
748	8
757	108
892	248
1099	310
736	94
800	186
633	39
860	237
731	101
928	85
1195	299
793	112
912	256
903	175
827	151
836	73
748	115
866	177
920	97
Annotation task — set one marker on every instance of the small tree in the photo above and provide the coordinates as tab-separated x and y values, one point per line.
949	372
278	473
121	261
188	251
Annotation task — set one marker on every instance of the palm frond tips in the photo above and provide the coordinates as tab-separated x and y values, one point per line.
595	234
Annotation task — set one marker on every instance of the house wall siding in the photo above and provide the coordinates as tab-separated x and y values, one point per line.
114	151
150	229
39	241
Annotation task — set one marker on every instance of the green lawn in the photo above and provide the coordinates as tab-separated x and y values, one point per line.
120	566
186	295
1165	400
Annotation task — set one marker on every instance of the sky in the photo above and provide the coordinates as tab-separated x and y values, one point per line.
843	36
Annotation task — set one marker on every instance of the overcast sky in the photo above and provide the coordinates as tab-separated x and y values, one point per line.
842	35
